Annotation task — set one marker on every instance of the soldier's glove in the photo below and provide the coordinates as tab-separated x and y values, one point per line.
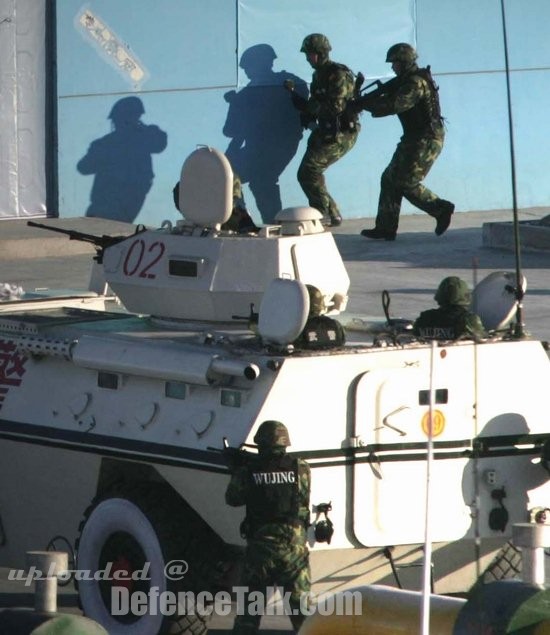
354	107
299	102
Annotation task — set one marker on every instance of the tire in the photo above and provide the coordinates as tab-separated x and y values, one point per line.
135	526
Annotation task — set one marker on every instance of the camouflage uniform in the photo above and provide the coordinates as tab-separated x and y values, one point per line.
413	97
453	319
276	552
332	87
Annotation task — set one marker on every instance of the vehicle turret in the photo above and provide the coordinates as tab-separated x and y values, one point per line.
195	270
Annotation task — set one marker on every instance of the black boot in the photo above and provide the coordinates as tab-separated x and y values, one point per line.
380	234
335	219
444	219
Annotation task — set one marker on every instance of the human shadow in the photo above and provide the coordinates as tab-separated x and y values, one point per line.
504	480
504	496
264	127
495	484
121	162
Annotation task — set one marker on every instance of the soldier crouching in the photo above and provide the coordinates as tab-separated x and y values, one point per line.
275	489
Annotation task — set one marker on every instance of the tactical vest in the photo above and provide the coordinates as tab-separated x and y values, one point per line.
273	485
320	333
344	122
425	116
444	323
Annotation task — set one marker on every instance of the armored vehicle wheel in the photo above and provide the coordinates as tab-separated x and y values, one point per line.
143	531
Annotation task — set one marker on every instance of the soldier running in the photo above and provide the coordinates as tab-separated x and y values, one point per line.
413	96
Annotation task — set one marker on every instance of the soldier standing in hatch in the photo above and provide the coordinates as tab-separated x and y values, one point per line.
453	319
332	88
275	489
413	96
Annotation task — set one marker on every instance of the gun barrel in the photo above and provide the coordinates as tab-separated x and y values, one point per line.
98	241
60	230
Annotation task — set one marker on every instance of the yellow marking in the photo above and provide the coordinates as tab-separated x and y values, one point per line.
438	423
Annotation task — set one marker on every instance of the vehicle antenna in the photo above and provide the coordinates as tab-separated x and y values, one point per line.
476	503
518	330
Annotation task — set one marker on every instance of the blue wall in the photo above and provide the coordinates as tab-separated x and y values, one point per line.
210	72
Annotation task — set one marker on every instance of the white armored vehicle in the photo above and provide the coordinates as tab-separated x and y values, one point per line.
109	417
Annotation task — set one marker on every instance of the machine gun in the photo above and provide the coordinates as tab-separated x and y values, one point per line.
99	242
252	318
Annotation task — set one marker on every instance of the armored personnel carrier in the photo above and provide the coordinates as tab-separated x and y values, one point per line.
113	406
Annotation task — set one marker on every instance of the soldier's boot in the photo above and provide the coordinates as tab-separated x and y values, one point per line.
379	234
446	209
335	219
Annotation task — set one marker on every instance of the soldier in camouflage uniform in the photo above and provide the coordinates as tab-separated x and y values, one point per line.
332	88
413	96
453	319
275	489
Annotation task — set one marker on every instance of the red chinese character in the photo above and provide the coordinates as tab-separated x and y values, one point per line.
12	364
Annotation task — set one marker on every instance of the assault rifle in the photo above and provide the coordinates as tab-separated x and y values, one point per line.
369	101
235	457
99	242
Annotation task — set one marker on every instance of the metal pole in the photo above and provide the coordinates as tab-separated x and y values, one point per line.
475	465
48	565
427	570
518	331
532	539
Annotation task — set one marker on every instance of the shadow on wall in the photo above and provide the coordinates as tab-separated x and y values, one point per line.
264	128
122	163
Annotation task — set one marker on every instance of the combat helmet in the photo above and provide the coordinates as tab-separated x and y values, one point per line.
453	291
401	52
272	434
316	43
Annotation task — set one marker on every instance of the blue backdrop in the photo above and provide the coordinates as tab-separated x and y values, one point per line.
140	84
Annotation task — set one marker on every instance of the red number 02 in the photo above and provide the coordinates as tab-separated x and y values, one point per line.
138	263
